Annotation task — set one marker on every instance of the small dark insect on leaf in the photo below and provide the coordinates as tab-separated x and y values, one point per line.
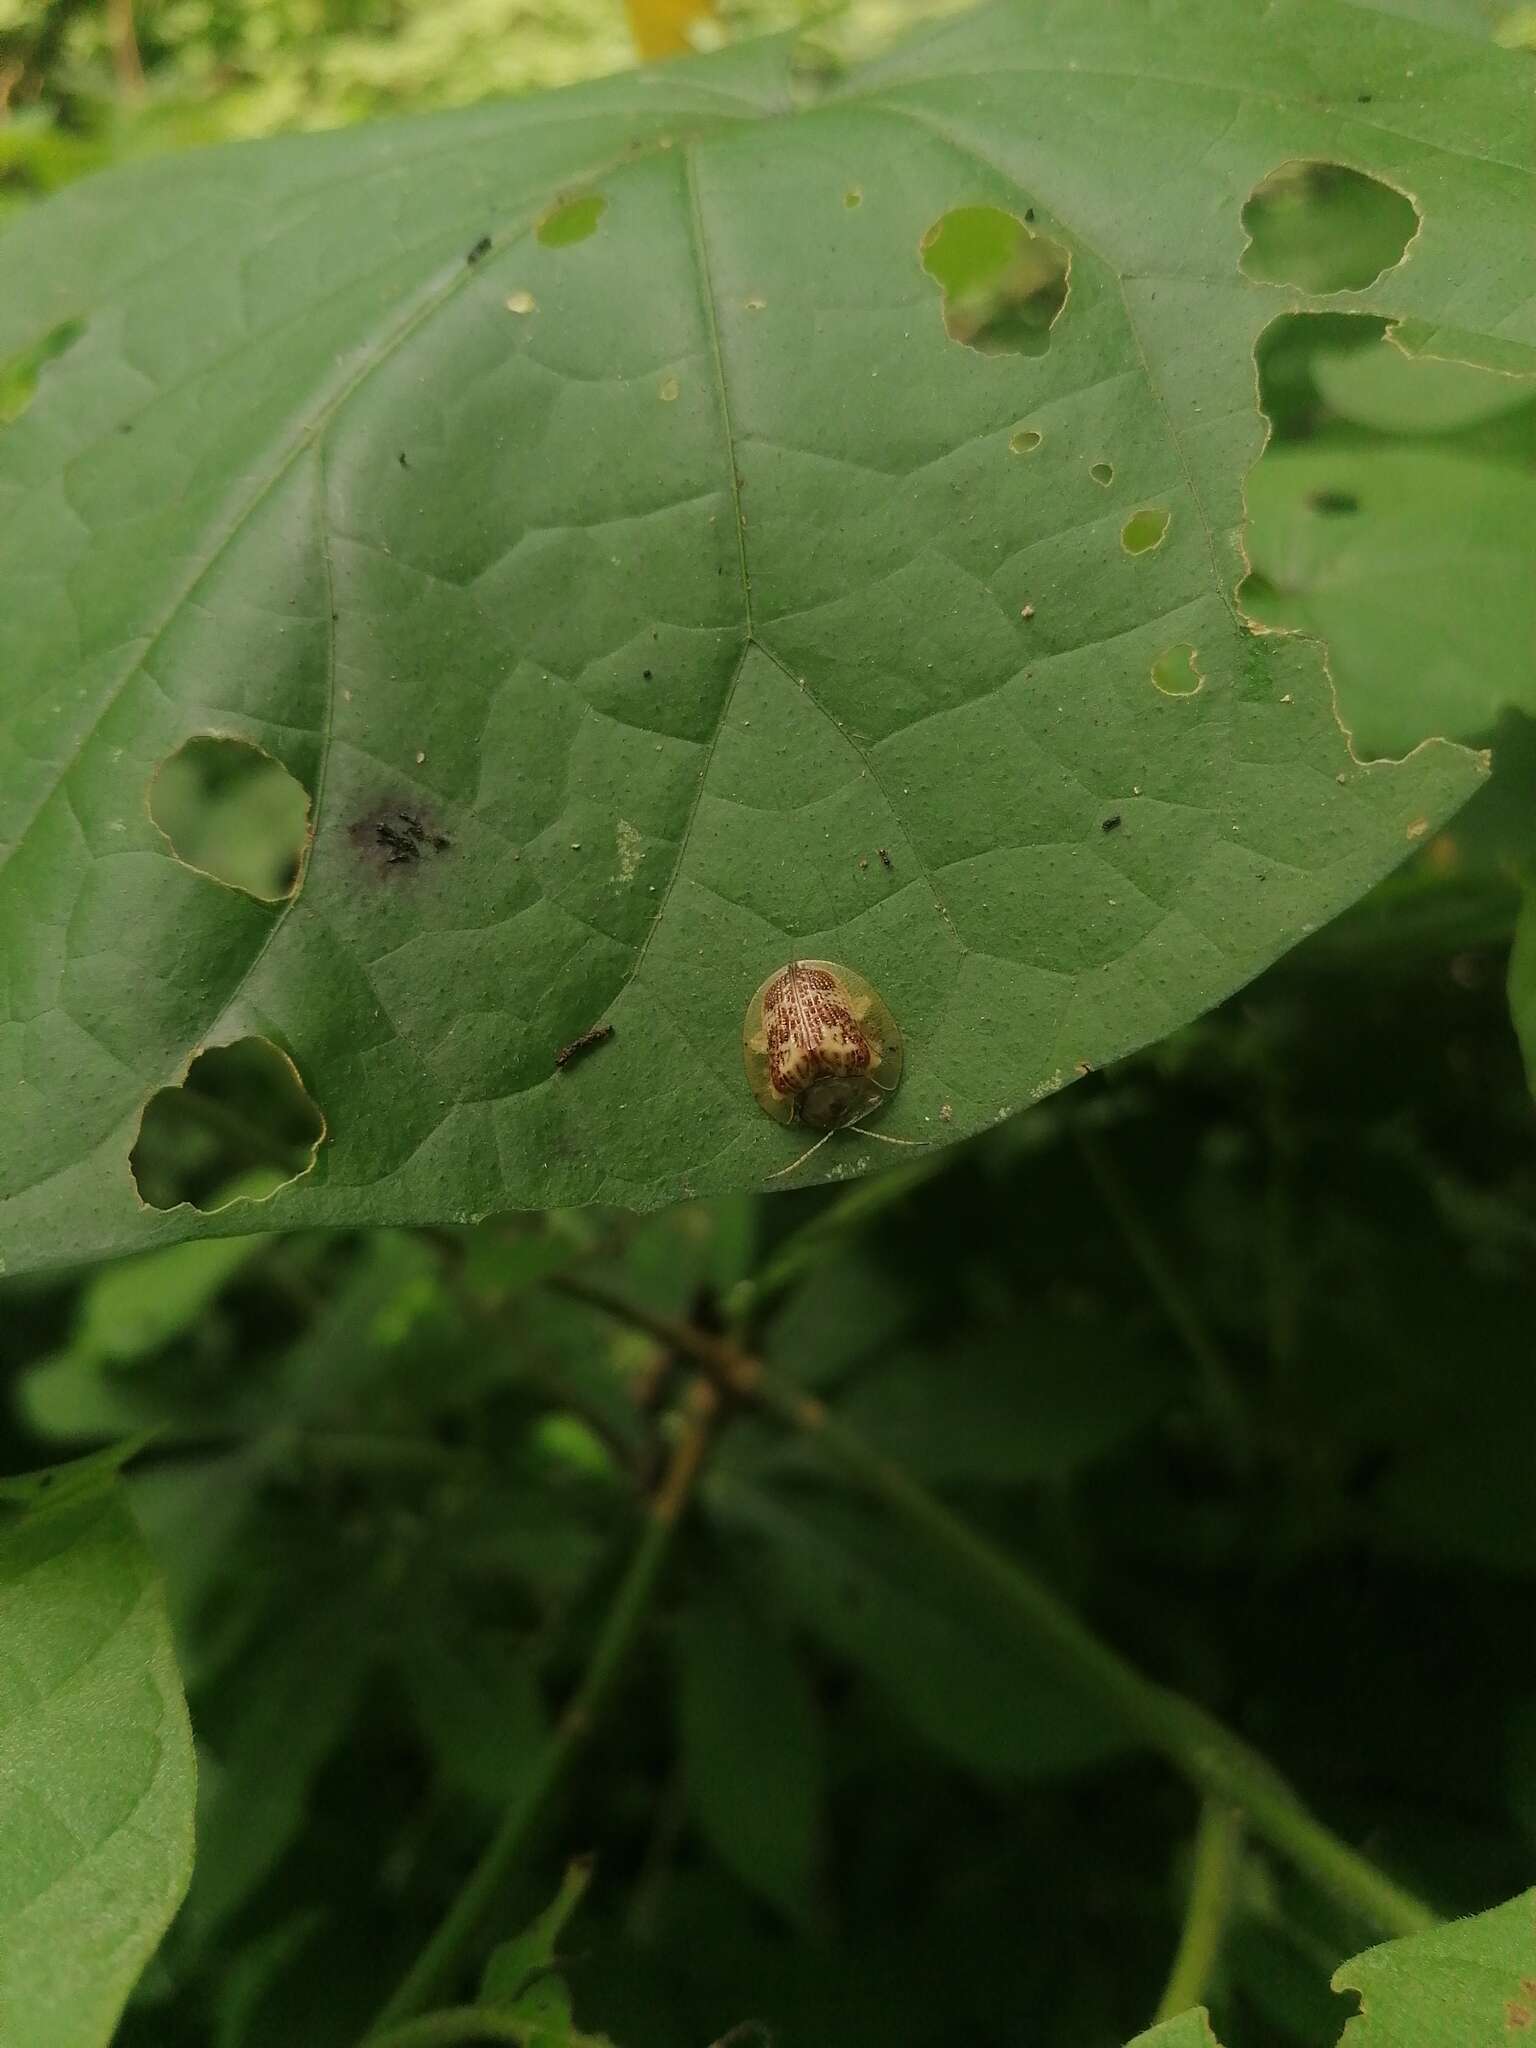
598	1035
481	248
402	461
885	858
406	838
1111	823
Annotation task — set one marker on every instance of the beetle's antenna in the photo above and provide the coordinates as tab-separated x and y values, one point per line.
781	1171
857	1124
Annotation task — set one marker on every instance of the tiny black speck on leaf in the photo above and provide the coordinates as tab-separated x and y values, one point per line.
1029	213
402	461
1362	99
481	248
645	672
885	858
1111	823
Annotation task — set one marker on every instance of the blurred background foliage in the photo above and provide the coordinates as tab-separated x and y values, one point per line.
1234	1344
89	82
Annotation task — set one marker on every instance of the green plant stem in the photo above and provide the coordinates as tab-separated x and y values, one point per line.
454	2023
1219	1763
621	1625
828	1229
1212	1880
1218	1378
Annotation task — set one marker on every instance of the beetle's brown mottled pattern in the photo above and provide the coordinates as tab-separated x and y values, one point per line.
811	1029
820	1046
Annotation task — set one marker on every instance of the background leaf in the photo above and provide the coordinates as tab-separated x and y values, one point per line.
742	1693
96	1771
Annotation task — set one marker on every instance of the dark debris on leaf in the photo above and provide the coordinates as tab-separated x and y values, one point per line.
397	836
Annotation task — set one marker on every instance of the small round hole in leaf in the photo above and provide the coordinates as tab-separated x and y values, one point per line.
1175	672
1325	228
1024	441
1004	285
1144	530
233	813
1103	473
240	1126
571	221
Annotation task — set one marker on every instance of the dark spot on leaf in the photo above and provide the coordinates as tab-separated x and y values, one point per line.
1004	285
400	458
1029	213
233	813
1111	823
572	220
19	373
885	858
397	836
1362	99
1325	227
1333	504
238	1127
1144	531
645	674
481	249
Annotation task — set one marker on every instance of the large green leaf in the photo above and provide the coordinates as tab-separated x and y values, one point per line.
96	1770
669	560
1471	1984
1189	2030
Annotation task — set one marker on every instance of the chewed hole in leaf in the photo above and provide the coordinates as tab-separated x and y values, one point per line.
520	302
1145	530
1103	473
240	1126
1265	604
233	813
1176	672
1004	285
853	197
1024	441
1325	228
19	373
571	221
